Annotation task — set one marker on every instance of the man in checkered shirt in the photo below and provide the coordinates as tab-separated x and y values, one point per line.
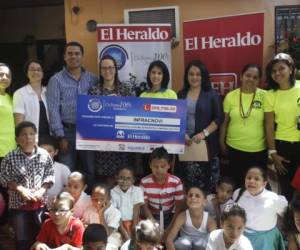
27	172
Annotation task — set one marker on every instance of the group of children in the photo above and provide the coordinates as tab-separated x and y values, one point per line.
243	219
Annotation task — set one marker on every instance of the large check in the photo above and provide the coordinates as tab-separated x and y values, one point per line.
130	124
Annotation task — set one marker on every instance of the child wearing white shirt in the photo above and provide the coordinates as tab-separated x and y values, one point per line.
76	186
128	199
230	237
262	208
61	171
101	211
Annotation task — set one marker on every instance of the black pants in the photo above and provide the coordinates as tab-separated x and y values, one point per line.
291	152
26	225
240	161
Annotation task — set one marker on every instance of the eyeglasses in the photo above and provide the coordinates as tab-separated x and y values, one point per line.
125	179
37	70
110	68
58	211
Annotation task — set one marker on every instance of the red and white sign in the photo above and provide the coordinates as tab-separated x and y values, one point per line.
135	46
225	45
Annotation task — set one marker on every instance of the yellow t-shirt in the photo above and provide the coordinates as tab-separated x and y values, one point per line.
245	134
166	94
7	125
286	106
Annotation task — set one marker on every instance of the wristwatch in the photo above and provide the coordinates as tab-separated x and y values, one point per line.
205	132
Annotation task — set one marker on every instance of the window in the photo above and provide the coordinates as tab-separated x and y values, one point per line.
287	31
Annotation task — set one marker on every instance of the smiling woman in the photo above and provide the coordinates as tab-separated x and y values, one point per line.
107	163
242	136
30	101
282	108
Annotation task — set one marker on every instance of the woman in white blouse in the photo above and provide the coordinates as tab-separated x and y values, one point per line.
29	102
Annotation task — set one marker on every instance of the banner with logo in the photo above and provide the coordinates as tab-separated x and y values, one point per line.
135	46
130	124
225	45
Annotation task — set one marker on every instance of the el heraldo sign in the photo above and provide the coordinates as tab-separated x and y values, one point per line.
225	45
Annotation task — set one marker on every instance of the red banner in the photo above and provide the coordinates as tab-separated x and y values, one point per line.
225	45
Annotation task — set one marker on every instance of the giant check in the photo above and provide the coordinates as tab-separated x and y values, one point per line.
130	124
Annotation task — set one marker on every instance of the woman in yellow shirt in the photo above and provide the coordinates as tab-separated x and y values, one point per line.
242	136
158	78
7	125
282	119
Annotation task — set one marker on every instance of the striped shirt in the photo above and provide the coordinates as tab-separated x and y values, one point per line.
62	94
30	172
162	196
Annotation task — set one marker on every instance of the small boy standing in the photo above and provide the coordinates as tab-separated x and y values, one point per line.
27	172
61	171
163	192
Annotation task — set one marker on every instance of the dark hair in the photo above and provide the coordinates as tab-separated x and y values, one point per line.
160	153
22	125
94	233
26	66
131	169
243	188
189	187
116	76
288	218
227	180
147	231
101	186
281	57
48	140
205	80
165	73
79	176
74	43
65	196
233	210
252	65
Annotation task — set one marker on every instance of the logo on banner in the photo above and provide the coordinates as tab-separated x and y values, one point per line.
120	134
211	42
94	105
117	52
223	82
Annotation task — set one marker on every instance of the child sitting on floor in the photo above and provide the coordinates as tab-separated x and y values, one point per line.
146	235
61	171
217	202
163	192
230	237
94	237
291	224
194	224
101	211
262	208
61	229
76	186
128	199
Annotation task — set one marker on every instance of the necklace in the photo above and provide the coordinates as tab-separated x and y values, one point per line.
244	114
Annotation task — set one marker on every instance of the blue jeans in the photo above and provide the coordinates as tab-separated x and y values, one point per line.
86	157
